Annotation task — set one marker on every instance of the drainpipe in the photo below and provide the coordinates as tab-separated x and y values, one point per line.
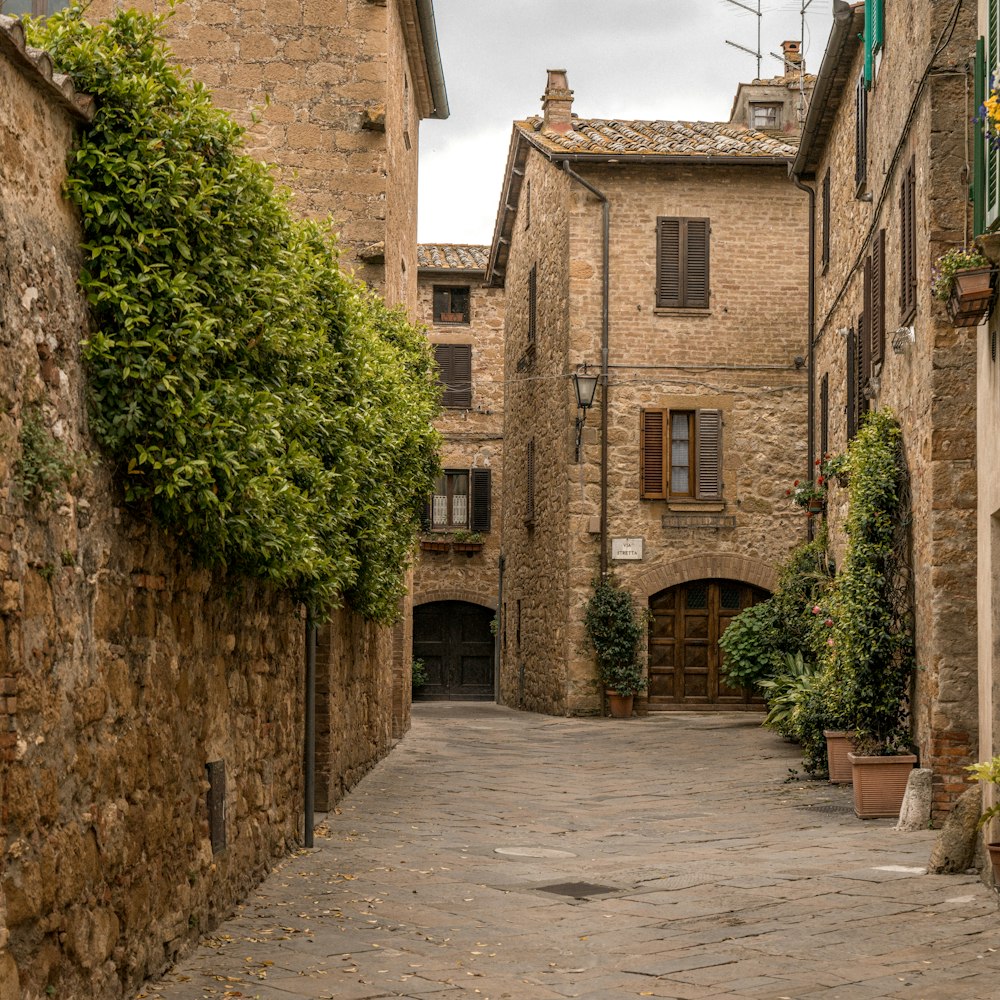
309	796
606	212
811	322
501	624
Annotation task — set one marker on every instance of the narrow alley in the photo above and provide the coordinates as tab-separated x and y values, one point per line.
498	854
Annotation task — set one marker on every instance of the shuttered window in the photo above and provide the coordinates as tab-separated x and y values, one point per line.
874	36
991	154
532	302
481	506
529	506
852	383
876	349
824	415
680	454
451	304
860	134
682	257
455	375
825	253
908	244
461	499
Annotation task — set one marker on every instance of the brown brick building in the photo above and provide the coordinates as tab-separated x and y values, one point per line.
456	578
668	257
884	148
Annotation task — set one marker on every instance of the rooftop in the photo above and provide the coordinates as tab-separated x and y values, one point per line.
452	256
608	137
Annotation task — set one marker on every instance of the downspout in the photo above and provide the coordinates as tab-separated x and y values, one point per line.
309	795
605	407
500	625
810	347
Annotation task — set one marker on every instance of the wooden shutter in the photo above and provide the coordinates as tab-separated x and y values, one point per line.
860	133
908	244
866	325
668	263
992	155
852	384
532	302
824	415
877	325
695	293
979	142
455	363
825	257
652	454
481	500
708	454
529	507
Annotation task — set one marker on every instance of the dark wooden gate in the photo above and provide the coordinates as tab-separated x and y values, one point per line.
454	640
684	656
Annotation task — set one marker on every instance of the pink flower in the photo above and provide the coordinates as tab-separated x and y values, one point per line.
829	641
815	609
828	623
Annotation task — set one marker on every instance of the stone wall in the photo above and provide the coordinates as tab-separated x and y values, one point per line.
125	669
928	384
737	356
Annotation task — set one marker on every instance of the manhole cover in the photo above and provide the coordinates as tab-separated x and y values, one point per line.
578	890
532	852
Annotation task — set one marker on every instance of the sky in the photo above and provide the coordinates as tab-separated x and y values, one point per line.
638	59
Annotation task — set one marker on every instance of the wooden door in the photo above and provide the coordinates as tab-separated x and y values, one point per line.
454	640
685	659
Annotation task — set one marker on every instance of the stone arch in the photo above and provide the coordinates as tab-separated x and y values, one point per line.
714	566
466	594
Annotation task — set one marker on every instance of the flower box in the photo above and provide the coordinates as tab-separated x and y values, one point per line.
971	296
430	545
469	548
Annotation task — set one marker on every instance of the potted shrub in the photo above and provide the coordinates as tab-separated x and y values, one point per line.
963	279
435	543
989	771
468	542
809	495
872	637
614	629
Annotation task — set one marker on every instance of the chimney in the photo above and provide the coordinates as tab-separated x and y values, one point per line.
557	102
793	56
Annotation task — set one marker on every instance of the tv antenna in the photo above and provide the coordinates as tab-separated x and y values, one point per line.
756	11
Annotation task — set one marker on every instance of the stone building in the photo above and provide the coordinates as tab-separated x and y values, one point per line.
666	257
456	578
777	106
884	151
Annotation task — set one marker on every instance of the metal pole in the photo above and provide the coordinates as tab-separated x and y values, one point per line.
310	727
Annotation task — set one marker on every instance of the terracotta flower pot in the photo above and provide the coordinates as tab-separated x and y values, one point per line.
971	296
620	705
994	852
879	784
431	546
839	744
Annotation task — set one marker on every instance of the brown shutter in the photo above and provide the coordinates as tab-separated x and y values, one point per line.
824	415
866	329
442	355
695	293
532	302
852	384
529	507
652	454
708	454
878	300
908	244
860	133
481	500
461	375
825	259
668	263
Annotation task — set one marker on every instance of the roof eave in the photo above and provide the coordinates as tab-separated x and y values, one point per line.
435	103
848	22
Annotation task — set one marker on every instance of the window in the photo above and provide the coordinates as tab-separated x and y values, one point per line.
857	362
36	8
987	172
451	305
824	415
682	263
765	116
825	254
529	506
876	325
680	454
908	244
860	134
461	499
455	364
532	303
874	38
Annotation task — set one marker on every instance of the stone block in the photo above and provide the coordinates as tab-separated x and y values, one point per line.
955	849
915	813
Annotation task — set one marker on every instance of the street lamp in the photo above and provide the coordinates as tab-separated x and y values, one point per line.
585	386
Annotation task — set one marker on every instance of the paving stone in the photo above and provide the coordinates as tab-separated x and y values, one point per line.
727	881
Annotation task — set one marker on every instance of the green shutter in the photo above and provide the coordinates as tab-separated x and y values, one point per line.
867	41
979	144
878	25
991	155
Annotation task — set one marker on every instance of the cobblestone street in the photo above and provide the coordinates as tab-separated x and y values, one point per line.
497	854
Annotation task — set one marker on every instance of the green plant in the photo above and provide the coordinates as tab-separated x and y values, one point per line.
835	467
804	493
257	401
989	772
751	644
67	558
614	629
872	637
949	264
468	537
418	675
45	466
786	690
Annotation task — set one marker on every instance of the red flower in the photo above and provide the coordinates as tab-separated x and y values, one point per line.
796	483
819	481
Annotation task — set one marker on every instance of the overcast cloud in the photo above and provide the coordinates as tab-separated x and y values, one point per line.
625	59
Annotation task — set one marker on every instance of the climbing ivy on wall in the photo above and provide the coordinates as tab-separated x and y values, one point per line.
262	404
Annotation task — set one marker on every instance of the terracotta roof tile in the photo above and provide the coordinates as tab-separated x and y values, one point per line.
604	136
452	256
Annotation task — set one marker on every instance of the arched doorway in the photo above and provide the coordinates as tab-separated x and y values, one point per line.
455	642
684	654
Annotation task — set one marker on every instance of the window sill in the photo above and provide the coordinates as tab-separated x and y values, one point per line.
697	506
694	313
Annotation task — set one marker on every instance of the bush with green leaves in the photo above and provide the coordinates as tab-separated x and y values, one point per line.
615	628
752	646
45	466
256	400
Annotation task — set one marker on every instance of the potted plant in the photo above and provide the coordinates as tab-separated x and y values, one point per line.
435	543
963	279
989	772
872	637
809	495
614	629
468	542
